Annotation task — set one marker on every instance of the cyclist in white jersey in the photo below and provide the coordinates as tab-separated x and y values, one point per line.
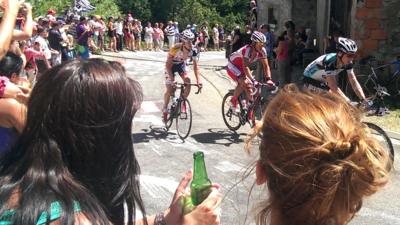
322	73
177	62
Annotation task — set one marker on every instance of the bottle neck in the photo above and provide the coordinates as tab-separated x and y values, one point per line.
200	172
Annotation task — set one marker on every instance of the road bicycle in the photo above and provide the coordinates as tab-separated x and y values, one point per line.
378	132
179	109
382	136
376	87
237	116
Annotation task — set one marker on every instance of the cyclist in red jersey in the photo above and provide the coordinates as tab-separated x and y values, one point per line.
239	61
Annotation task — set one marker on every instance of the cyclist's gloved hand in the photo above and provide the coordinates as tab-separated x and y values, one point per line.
271	83
255	83
365	104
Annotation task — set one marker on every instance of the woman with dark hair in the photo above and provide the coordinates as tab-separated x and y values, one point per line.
74	162
111	33
237	41
12	112
11	66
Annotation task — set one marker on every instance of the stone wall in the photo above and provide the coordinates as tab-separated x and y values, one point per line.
305	13
282	12
376	28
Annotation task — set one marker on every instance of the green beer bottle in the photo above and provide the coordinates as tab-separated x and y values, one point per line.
200	187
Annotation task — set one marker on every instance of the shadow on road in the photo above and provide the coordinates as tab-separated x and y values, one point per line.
219	136
155	133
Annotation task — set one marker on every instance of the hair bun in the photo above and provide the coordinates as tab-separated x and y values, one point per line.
339	149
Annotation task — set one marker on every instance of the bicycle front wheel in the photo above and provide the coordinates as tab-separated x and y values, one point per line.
383	138
184	118
170	118
231	115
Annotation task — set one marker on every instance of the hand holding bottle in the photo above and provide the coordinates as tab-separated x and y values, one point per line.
206	213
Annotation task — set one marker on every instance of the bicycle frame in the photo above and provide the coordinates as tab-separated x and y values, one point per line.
378	82
257	101
181	86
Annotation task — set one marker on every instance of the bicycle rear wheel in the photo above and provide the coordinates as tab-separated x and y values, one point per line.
381	135
184	118
230	115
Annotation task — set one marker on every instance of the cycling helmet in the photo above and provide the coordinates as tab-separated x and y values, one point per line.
346	45
258	37
187	35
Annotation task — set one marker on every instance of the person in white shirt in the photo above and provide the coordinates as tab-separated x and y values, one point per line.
119	24
41	44
170	32
216	37
148	36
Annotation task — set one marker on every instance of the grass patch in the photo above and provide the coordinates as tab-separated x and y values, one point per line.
389	121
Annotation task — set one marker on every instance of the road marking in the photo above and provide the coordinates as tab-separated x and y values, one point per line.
226	166
157	186
368	212
153	147
154	120
149	107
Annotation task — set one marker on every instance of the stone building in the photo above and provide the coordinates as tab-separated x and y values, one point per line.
374	24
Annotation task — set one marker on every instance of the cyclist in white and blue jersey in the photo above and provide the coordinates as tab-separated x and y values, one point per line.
322	73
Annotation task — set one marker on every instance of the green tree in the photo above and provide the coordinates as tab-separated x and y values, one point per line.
163	10
227	12
103	7
139	8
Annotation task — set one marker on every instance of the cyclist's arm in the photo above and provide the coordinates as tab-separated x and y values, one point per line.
247	70
266	68
196	71
356	85
168	66
334	88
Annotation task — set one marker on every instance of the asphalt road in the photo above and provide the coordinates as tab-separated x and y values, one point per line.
164	158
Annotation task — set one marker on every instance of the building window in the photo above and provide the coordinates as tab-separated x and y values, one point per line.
271	17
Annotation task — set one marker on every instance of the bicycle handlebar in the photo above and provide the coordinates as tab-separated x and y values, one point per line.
272	87
199	86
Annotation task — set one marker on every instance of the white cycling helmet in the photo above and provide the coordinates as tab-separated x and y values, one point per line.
187	35
347	45
258	37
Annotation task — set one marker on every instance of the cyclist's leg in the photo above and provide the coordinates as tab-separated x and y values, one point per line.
247	86
186	80
169	89
234	73
183	72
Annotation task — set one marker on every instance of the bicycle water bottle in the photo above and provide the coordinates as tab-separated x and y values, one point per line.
200	187
174	101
